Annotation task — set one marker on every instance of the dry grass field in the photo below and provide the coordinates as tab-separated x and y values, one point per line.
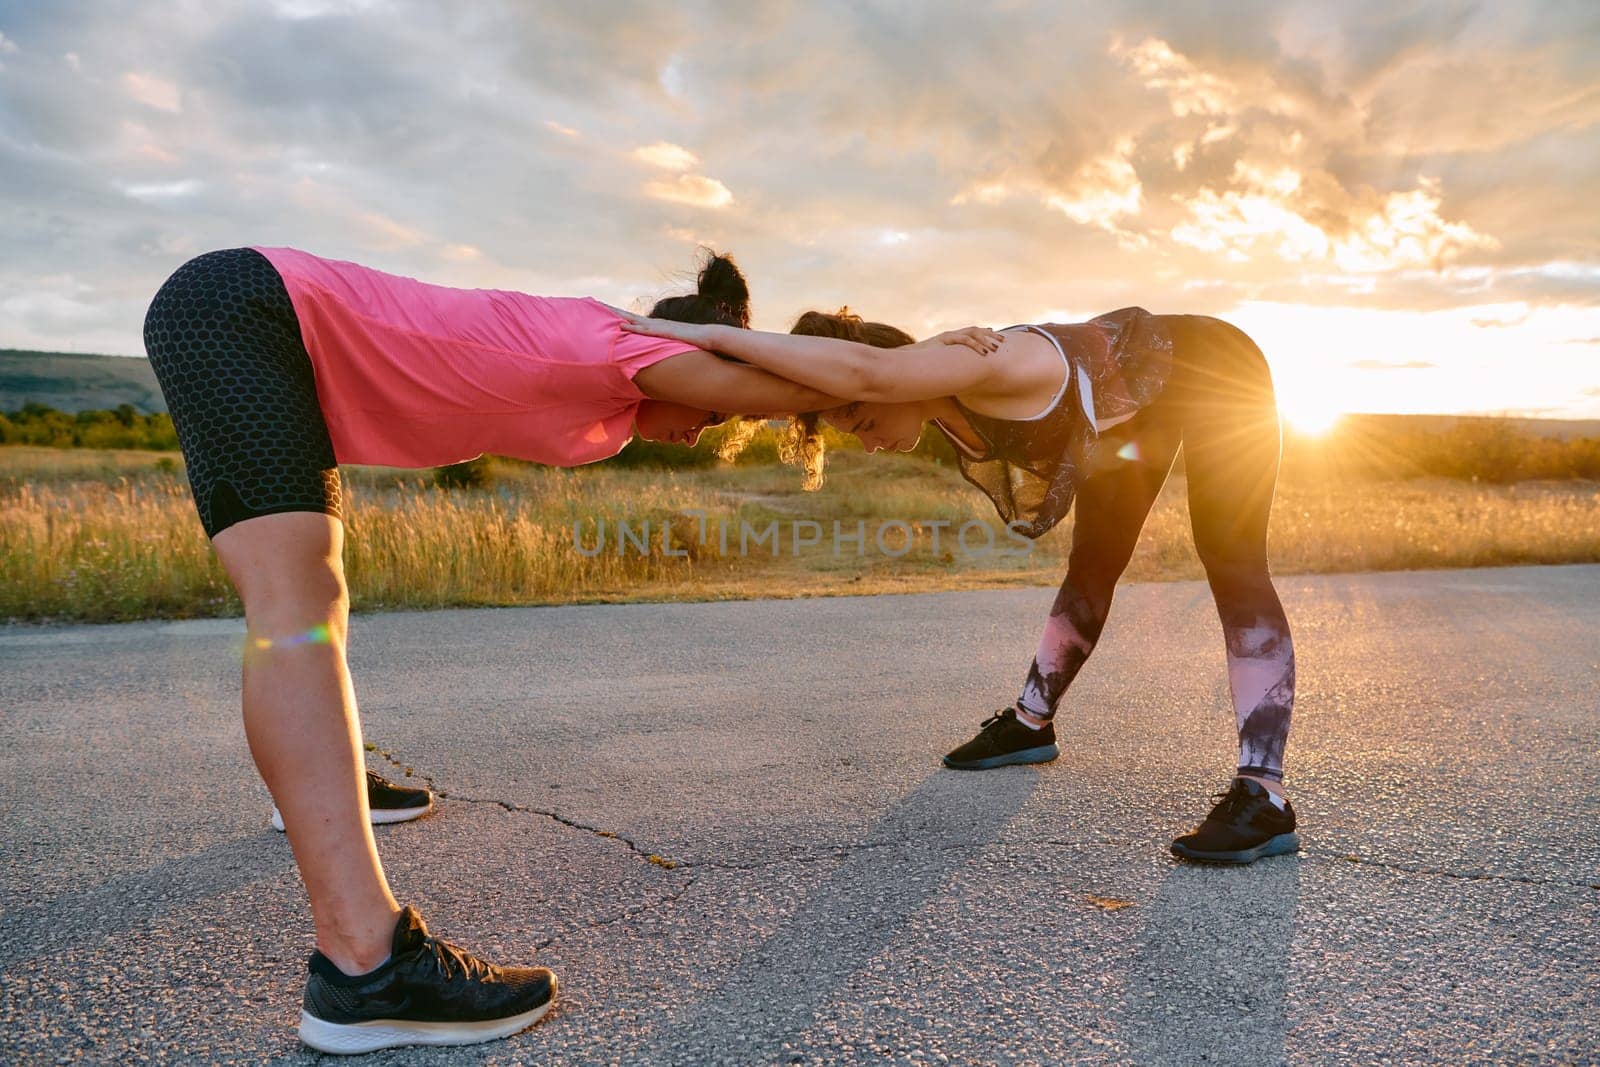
100	536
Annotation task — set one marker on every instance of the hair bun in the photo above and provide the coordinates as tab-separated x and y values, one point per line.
723	281
721	296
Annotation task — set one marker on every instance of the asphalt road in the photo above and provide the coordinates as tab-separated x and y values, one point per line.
833	896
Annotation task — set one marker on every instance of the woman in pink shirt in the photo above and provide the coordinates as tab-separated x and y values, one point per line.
277	366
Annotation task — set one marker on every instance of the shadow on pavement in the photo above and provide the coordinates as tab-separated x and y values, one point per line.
129	900
779	986
1200	991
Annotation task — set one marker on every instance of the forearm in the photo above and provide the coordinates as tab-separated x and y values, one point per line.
829	365
759	392
702	380
839	368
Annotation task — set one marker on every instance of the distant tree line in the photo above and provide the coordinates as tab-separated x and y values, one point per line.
1365	447
122	427
1498	451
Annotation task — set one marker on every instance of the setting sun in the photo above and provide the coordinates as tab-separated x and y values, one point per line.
1309	414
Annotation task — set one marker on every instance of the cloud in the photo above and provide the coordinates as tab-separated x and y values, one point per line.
152	91
1280	201
1103	190
1378	364
1502	321
1424	156
388	234
312	9
1192	90
693	189
666	156
158	191
1281	213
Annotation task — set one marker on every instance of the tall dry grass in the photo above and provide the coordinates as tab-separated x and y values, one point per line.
108	536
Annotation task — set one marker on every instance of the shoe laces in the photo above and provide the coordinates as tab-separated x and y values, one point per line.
995	719
453	960
1230	801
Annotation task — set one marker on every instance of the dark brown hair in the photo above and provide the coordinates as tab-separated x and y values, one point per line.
848	327
801	444
721	296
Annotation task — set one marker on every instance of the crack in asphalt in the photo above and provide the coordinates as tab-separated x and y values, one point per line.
810	855
594	831
653	858
1465	876
799	856
629	913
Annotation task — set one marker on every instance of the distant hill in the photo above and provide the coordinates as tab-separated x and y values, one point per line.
71	382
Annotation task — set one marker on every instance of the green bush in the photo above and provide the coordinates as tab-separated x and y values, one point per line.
126	427
473	474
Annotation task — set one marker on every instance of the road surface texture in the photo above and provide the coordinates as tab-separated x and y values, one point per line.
727	829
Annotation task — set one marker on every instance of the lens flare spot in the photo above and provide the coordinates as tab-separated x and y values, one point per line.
317	635
1129	452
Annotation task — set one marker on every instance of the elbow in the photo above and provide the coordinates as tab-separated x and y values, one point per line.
873	380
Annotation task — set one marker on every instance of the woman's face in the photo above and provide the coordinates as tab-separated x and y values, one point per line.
674	424
891	427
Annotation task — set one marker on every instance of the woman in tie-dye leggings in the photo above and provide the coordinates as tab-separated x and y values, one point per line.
1218	405
1095	411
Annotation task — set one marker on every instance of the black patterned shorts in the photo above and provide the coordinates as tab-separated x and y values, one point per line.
225	345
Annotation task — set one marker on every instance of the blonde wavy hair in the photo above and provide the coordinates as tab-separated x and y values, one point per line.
800	443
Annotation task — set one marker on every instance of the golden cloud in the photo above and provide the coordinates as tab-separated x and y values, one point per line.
695	190
666	156
1273	212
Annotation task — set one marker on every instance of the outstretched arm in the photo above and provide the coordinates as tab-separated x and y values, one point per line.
844	369
701	380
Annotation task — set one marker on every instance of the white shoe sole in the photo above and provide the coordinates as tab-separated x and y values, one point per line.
379	816
347	1039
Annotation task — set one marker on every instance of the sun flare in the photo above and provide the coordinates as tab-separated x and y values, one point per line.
1309	414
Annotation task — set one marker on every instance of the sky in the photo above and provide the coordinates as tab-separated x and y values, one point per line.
1396	199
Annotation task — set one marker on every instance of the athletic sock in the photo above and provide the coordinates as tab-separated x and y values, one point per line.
1026	718
1276	776
387	959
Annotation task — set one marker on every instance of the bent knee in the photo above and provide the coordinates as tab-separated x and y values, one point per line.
285	562
1246	581
312	597
311	588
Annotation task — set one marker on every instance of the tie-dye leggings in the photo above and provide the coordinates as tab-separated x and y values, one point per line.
1218	405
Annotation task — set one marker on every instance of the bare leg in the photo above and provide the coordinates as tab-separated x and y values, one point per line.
300	719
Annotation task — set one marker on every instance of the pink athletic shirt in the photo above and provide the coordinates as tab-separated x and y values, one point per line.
417	375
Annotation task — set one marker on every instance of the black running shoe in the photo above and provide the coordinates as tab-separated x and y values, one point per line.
1244	826
428	993
386	802
1004	741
